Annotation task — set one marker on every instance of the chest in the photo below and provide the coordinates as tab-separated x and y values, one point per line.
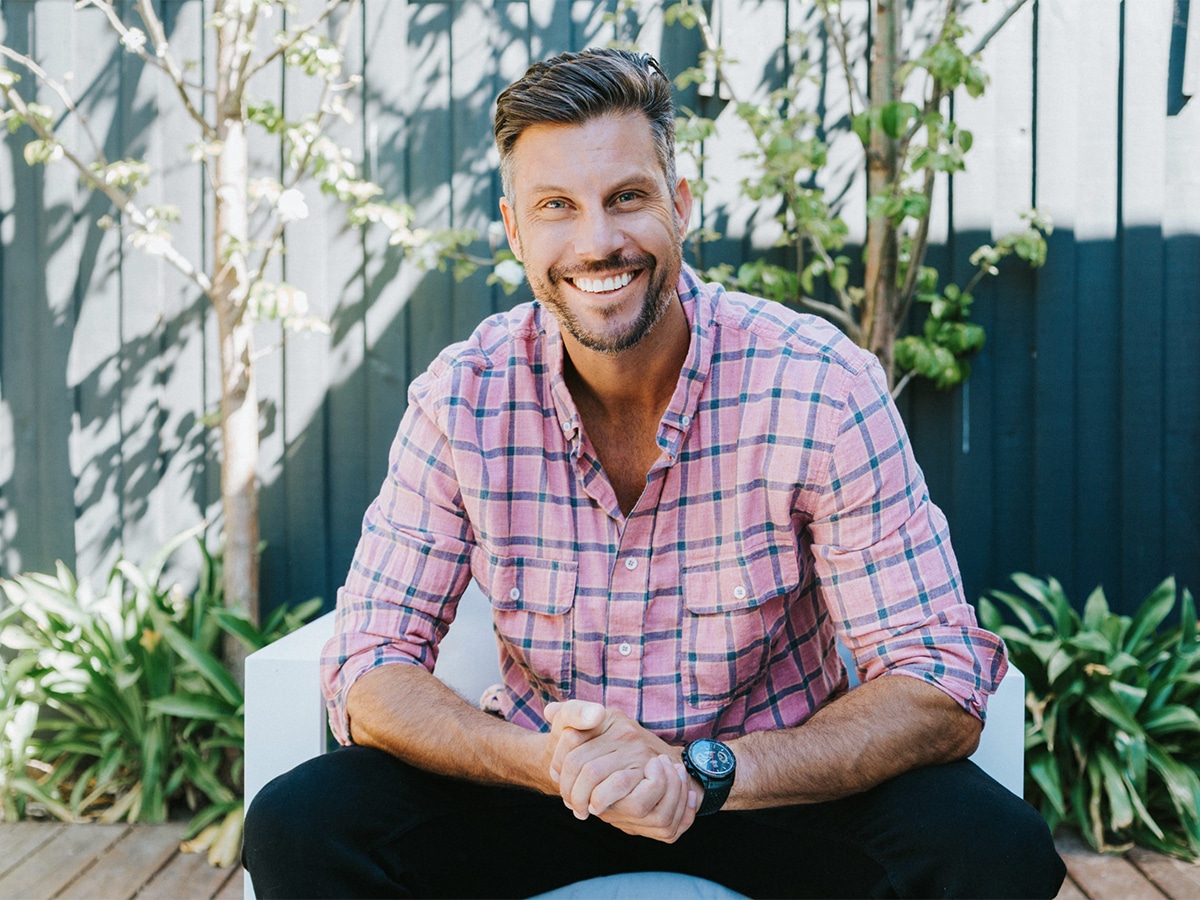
626	450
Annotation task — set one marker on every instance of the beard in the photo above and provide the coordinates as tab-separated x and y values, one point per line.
662	282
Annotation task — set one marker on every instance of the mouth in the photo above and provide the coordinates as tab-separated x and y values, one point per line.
608	284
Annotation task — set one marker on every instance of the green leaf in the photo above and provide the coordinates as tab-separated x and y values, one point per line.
1043	769
1119	804
1152	611
1095	609
192	706
207	664
895	116
1172	718
1026	614
1107	704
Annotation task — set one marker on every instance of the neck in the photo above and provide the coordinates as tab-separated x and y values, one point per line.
641	379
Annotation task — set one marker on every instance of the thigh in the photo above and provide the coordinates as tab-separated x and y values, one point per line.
359	822
941	831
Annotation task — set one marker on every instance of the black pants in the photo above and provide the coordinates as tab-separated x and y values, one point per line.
360	823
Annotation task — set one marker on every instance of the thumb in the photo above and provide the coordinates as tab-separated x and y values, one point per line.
582	715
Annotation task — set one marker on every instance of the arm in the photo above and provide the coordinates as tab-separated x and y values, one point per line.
409	713
876	731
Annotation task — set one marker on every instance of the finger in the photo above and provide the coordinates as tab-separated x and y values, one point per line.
567	740
582	715
551	710
591	765
613	789
641	803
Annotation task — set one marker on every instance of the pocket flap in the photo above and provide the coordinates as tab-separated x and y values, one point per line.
740	581
532	584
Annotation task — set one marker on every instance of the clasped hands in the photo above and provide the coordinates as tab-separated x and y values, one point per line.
607	765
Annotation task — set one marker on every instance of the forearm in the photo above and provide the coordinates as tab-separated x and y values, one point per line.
878	730
412	715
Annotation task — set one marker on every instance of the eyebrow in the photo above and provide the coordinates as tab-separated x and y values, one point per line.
622	184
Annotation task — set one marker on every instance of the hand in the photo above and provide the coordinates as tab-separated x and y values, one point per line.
608	765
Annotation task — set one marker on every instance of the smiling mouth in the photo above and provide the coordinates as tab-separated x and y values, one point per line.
604	285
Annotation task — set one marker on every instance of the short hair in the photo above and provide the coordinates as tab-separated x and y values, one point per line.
573	88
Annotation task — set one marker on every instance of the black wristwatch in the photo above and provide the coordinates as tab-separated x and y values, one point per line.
712	764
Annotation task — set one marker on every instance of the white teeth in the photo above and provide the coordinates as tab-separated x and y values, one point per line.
596	286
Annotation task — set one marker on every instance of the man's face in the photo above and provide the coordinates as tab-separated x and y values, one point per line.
594	222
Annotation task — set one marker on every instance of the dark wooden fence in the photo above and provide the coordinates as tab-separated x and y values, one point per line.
1073	451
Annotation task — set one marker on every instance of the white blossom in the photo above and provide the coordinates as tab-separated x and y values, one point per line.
292	205
510	272
134	40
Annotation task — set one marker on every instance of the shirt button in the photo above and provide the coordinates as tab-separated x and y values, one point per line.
566	426
514	594
630	563
685	421
624	649
739	592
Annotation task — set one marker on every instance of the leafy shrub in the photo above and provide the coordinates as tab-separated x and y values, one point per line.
115	706
1112	734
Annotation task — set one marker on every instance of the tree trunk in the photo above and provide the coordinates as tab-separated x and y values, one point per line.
881	290
239	398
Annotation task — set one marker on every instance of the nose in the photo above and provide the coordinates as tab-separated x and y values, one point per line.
597	234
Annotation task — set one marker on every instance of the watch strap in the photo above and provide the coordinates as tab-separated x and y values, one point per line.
715	795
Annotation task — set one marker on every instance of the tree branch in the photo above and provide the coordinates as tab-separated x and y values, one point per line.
994	30
121	200
41	75
916	255
838	36
284	47
322	112
158	37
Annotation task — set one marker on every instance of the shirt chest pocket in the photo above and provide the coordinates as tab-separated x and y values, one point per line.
532	604
734	607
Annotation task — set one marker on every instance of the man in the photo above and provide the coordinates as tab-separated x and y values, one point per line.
676	499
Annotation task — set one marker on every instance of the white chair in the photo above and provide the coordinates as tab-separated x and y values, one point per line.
285	725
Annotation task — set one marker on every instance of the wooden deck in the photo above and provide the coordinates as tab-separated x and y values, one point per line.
42	860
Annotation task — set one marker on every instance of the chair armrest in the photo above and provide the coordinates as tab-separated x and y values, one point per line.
285	714
1001	751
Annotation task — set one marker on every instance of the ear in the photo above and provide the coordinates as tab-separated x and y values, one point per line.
509	215
683	205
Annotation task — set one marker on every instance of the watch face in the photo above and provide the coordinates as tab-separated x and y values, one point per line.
712	758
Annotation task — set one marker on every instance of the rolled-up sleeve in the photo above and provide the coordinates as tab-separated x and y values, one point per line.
883	556
410	567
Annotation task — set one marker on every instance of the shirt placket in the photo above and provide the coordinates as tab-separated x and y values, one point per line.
629	593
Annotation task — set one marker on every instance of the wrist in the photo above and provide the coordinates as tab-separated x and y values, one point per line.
713	765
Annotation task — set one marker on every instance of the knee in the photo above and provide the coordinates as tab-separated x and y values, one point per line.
280	826
1013	855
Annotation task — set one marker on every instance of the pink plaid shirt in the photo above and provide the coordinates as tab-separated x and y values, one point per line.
785	509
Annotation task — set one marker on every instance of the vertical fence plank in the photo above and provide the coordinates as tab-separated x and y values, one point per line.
1147	26
992	462
182	433
94	368
388	90
1079	63
1181	232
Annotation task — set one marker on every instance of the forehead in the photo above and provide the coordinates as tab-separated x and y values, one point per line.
599	151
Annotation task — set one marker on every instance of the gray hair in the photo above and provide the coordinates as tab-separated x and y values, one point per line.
572	88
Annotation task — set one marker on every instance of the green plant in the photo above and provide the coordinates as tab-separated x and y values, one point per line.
116	706
1112	734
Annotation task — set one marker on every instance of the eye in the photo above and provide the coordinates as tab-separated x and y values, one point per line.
555	204
627	196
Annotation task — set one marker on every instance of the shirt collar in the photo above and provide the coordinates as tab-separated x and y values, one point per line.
699	304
